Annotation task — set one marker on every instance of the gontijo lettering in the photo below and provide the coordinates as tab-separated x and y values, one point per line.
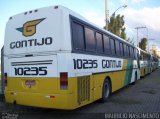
31	42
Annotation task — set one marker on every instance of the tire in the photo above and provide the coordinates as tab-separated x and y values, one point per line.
106	90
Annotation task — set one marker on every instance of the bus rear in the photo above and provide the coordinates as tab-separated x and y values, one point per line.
32	42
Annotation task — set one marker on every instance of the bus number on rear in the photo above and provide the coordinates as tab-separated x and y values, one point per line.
34	71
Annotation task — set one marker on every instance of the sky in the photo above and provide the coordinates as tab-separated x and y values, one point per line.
138	13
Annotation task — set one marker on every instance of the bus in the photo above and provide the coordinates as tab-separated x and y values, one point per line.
2	74
55	58
145	63
155	62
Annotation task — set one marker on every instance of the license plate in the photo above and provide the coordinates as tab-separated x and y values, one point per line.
30	83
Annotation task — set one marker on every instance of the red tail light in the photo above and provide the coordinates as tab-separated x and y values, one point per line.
63	80
5	79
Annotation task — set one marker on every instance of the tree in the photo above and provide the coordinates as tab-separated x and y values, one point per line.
123	34
143	43
116	26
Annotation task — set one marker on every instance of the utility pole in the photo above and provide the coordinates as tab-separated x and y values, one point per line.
137	28
106	12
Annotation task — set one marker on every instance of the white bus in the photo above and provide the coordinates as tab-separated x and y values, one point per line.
145	63
54	58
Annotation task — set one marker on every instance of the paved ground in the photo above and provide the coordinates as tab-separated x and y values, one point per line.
144	97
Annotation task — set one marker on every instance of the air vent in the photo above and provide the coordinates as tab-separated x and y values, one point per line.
83	86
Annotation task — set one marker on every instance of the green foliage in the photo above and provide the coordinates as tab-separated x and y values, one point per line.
116	26
123	34
143	43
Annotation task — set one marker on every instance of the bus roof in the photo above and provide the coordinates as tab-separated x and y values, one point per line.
70	12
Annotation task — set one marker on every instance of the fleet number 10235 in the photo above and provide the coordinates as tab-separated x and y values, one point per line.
85	63
34	71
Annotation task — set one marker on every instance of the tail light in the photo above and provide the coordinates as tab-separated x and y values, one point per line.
5	79
63	80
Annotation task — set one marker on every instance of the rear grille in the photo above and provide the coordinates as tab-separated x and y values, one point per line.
83	84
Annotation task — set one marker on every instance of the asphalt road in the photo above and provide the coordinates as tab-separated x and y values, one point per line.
141	98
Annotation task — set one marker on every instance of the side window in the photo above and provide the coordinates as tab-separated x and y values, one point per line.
135	54
131	52
78	36
106	44
125	50
138	56
112	41
90	40
121	49
117	48
99	42
128	55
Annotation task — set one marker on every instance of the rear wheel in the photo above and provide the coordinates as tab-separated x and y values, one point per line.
106	90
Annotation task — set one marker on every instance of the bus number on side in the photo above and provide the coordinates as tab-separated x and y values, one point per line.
85	64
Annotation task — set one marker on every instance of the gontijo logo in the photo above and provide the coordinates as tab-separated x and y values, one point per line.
29	28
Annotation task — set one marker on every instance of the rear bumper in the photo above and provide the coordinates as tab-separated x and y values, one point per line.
58	101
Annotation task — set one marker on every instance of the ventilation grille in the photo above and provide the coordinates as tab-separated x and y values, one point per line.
83	85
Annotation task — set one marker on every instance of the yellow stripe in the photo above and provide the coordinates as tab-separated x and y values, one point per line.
64	99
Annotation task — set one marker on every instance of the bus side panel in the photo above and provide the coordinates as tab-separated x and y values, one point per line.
98	84
131	70
115	78
118	79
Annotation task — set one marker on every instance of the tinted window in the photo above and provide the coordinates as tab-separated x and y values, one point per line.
135	53
106	44
117	48
90	40
112	46
131	52
125	50
99	42
121	49
78	36
128	51
138	55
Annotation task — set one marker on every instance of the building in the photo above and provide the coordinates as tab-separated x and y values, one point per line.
154	50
